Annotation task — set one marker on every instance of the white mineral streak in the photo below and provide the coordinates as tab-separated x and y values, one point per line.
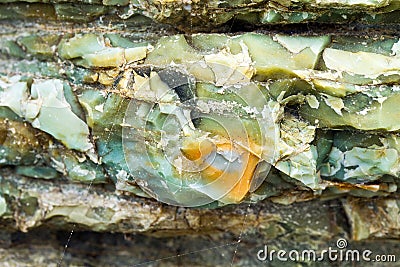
312	101
231	69
83	174
371	3
309	75
335	103
368	64
396	48
3	205
47	109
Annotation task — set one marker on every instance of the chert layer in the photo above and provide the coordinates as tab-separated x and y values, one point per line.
332	102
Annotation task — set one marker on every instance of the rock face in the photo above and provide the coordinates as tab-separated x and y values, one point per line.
138	118
209	15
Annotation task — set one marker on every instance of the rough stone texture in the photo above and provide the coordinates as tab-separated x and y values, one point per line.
160	235
209	15
62	220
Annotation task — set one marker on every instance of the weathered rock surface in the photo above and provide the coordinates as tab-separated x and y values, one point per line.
106	107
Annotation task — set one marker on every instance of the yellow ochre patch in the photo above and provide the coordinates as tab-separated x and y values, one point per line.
198	151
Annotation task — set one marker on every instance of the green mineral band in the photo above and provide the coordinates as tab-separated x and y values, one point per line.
331	101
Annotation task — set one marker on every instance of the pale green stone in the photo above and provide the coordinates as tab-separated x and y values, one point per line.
37	172
302	167
3	205
47	109
371	162
80	45
172	49
362	63
40	46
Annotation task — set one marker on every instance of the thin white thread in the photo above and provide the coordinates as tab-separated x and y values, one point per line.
88	189
66	245
241	234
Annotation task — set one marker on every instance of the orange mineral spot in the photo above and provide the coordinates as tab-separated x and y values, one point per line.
198	151
243	186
